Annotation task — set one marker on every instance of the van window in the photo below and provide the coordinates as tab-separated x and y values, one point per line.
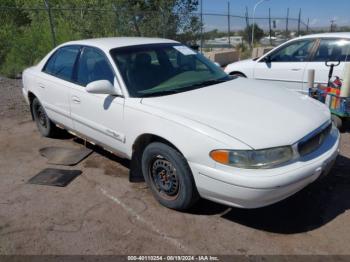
297	51
332	50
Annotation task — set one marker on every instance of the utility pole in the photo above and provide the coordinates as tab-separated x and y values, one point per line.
115	9
307	25
201	25
247	24
287	21
299	19
253	25
163	18
270	30
48	8
228	22
332	27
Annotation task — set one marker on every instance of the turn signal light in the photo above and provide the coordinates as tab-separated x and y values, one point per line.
220	156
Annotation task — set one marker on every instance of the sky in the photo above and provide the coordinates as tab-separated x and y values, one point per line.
319	12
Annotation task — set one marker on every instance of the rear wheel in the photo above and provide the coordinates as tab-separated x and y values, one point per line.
44	124
169	177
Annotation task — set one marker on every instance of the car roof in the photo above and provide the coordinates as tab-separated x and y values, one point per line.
328	35
109	43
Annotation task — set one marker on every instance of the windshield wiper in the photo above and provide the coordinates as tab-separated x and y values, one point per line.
186	88
209	82
160	93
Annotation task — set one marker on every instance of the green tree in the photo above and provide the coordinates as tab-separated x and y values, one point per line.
161	18
247	33
25	34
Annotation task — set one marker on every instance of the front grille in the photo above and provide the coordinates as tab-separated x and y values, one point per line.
310	144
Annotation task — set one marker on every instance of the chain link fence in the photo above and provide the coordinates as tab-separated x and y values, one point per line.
39	28
232	29
104	22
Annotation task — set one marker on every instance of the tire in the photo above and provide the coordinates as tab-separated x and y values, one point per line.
46	127
337	121
169	176
237	75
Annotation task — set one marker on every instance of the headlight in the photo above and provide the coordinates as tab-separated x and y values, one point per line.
264	158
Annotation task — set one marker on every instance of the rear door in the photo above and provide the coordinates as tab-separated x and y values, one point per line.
55	82
286	65
328	49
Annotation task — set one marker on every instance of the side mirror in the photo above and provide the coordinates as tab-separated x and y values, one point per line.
266	59
104	87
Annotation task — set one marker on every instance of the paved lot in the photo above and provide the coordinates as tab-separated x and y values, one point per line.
100	212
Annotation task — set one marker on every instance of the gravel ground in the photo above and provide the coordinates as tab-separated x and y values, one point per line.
11	100
100	212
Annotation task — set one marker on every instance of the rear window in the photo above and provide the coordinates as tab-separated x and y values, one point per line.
61	63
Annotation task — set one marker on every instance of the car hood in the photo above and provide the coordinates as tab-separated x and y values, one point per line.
259	114
245	61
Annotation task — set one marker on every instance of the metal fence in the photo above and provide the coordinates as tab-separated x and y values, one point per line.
215	29
276	29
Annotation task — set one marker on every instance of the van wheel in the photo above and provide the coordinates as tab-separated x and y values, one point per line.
169	177
46	127
237	75
337	121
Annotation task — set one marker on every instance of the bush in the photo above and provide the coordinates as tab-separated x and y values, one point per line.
27	47
25	33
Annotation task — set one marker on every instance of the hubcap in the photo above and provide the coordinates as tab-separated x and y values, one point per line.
41	116
164	178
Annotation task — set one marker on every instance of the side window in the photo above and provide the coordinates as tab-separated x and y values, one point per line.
294	52
93	66
332	50
61	63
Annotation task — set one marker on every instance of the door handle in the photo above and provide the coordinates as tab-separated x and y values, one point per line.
76	99
296	69
41	85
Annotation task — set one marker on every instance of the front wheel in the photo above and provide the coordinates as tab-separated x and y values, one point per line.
169	177
44	124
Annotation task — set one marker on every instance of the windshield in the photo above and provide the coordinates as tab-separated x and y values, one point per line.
162	69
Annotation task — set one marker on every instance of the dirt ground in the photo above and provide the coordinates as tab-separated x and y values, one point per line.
100	212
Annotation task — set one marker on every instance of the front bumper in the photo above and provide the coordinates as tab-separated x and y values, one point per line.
257	188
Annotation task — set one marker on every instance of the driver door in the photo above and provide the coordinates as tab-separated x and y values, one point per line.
98	117
286	65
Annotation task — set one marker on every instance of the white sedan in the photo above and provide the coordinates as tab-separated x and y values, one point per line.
288	64
189	129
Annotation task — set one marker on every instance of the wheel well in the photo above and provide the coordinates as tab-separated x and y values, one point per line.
144	140
31	97
237	73
138	147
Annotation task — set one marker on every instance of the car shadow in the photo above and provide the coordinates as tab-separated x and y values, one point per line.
309	209
101	151
108	101
62	134
346	126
